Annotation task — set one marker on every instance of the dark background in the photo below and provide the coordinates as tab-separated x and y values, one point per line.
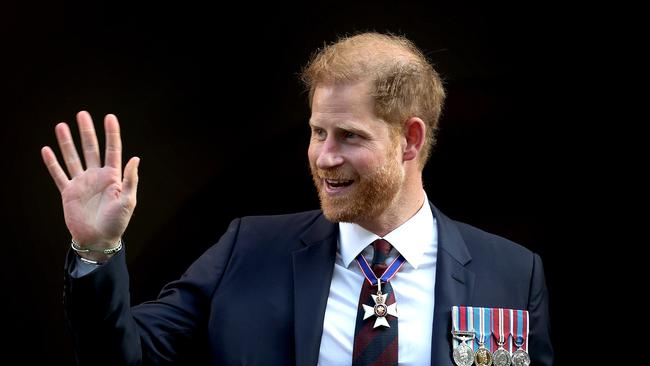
208	97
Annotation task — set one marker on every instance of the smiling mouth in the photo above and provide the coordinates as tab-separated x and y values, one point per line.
336	185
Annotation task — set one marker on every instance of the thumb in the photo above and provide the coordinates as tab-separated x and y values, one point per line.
130	181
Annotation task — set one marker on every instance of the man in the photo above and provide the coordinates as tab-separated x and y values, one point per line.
299	289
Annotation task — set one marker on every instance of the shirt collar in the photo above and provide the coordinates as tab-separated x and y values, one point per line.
410	239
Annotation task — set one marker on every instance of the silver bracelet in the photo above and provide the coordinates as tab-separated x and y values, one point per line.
108	251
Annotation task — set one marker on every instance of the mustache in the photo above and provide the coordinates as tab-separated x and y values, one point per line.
335	174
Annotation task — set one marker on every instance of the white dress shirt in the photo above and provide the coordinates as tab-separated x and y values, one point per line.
413	285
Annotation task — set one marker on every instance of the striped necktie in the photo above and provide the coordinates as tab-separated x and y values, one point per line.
375	346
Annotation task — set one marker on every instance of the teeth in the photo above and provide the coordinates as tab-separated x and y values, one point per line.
337	181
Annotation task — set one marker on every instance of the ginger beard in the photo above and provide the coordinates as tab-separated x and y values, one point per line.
367	197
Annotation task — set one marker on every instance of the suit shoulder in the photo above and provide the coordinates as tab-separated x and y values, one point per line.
279	225
306	217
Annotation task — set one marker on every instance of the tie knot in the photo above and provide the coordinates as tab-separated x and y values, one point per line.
382	249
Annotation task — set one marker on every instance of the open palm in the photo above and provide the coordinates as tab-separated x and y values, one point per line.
97	202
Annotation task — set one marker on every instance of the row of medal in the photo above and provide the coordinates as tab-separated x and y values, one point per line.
489	336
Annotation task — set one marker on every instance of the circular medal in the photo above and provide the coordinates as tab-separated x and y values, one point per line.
463	355
501	357
520	358
483	357
380	310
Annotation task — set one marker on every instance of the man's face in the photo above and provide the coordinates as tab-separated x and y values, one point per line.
354	158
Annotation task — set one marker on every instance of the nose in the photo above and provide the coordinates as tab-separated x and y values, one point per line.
329	154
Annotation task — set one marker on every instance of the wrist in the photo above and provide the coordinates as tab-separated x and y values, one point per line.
95	254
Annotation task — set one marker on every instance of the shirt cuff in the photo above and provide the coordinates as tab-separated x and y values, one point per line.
82	268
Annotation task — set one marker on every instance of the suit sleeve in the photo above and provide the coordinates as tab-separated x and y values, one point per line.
106	330
540	348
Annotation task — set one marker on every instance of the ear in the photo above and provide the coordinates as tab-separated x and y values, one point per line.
414	134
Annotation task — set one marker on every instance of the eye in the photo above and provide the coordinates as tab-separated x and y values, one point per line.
350	135
318	133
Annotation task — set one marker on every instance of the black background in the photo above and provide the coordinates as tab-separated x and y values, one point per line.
208	97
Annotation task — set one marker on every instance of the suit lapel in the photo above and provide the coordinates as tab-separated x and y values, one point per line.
313	267
454	285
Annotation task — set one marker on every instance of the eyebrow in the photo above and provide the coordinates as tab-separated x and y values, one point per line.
344	127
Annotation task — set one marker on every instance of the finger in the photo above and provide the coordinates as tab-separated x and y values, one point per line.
68	150
130	182
113	142
57	173
89	143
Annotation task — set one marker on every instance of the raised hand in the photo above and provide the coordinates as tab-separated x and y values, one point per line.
97	202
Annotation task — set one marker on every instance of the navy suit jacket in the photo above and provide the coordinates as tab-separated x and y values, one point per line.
258	297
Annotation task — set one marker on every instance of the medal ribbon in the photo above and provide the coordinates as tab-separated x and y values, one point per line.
470	324
462	319
483	324
520	329
455	320
388	274
501	325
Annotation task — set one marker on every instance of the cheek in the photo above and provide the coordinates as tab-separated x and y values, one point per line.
367	163
312	153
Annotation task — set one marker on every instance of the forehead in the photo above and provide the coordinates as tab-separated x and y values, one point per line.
348	103
354	91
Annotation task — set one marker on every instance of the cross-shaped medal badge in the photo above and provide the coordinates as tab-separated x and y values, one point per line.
380	310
